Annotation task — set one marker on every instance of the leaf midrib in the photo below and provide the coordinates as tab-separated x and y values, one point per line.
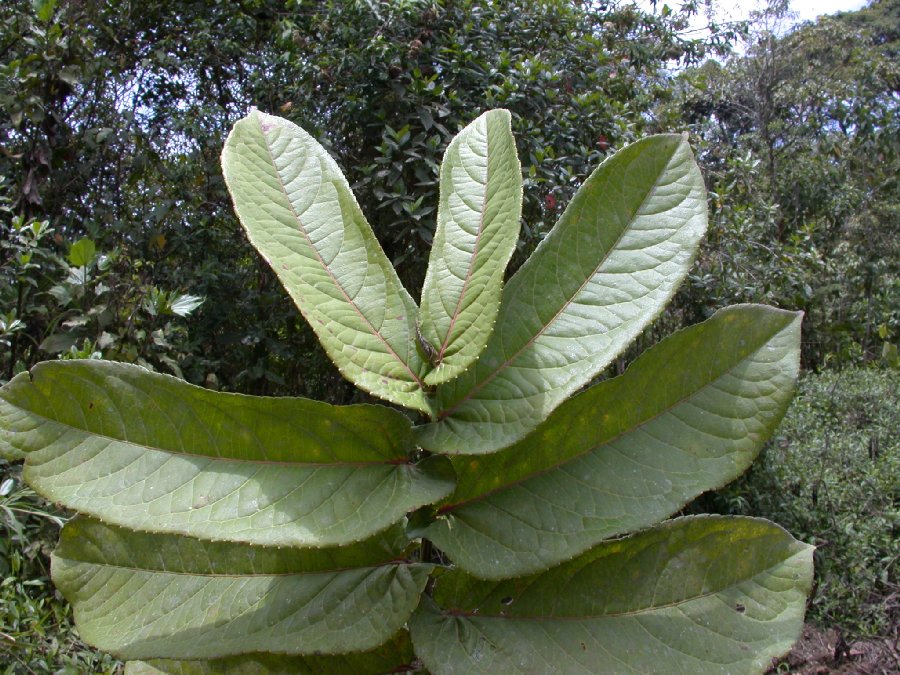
477	614
237	575
401	461
496	372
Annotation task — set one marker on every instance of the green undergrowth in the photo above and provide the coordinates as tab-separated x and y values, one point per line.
831	476
36	630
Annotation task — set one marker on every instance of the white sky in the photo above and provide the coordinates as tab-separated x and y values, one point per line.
806	10
734	10
810	9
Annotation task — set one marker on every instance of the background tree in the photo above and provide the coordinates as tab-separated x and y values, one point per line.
802	155
142	98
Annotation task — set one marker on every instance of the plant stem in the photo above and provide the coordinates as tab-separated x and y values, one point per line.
426	550
14	345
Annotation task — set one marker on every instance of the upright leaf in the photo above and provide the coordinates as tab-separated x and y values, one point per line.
145	596
689	415
301	215
477	229
603	273
695	595
150	452
82	252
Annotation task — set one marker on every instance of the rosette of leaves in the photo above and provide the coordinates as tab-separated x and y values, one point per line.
514	521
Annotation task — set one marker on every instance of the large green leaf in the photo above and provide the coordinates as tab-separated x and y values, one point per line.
301	215
394	656
695	595
601	275
150	452
477	229
688	416
144	596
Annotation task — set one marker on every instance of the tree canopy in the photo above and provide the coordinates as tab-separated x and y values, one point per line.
119	239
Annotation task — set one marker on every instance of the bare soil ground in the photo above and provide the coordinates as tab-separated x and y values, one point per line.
821	652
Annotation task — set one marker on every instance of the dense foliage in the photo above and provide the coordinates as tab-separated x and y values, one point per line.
143	103
802	155
115	224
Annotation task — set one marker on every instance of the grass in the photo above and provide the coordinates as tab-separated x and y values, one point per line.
36	630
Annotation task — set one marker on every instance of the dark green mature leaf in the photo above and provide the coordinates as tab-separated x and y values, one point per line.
150	452
605	271
392	657
477	229
301	215
695	595
689	415
144	596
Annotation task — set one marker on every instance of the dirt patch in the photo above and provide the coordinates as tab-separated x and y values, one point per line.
821	652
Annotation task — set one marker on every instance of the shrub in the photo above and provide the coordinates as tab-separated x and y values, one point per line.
290	535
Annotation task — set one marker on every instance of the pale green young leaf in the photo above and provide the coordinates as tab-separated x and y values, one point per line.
694	595
300	214
477	228
602	274
145	596
183	304
151	452
689	415
82	252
